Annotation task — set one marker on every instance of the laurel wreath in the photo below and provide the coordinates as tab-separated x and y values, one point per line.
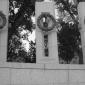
3	17
47	28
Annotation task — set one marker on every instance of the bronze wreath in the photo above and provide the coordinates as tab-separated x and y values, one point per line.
50	17
2	20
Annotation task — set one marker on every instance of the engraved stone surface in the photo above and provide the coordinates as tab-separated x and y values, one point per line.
53	54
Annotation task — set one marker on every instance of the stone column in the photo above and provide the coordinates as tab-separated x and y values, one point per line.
52	37
4	8
81	13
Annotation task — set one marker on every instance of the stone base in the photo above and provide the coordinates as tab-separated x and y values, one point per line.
60	75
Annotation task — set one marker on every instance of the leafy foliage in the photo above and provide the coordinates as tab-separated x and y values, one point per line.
20	12
69	39
68	33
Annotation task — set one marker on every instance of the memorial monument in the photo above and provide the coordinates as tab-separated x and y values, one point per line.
46	70
46	36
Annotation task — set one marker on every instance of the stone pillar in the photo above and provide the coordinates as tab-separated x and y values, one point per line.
81	13
52	36
4	9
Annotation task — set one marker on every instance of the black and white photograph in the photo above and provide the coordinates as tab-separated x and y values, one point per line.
42	42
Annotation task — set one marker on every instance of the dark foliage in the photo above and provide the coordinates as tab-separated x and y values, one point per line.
26	9
68	36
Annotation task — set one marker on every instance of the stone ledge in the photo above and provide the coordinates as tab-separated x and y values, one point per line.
56	66
65	66
77	67
42	66
21	65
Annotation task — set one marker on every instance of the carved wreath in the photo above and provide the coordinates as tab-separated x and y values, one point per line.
2	20
46	22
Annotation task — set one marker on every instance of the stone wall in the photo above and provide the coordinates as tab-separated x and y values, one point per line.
43	75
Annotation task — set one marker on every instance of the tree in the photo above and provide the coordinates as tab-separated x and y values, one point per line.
68	33
20	12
